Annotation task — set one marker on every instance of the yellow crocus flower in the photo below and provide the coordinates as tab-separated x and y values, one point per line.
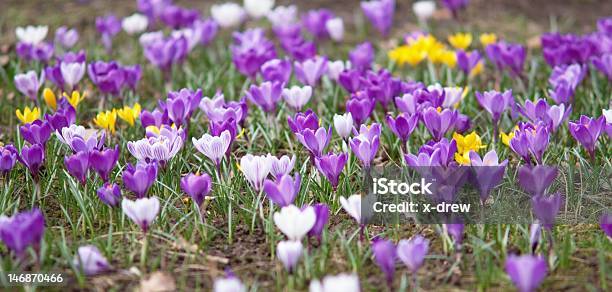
74	99
477	69
468	142
106	120
487	39
460	40
507	137
463	159
129	114
28	115
49	98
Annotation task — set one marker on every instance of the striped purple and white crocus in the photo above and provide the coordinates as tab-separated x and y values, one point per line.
213	147
160	147
255	169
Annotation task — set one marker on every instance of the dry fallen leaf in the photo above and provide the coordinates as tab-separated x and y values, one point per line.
157	282
182	244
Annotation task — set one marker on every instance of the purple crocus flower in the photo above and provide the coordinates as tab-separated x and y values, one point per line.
361	106
526	271
403	125
315	141
530	140
362	56
103	161
365	145
165	52
108	26
496	103
446	150
90	260
382	87
197	186
564	80
65	37
250	50
455	5
540	111
298	48
132	76
322	212
29	83
140	178
207	30
153	9
181	105
488	172
33	158
276	70
80	139
507	56
606	224
281	166
603	63
455	230
385	253
439	123
412	252
108	77
284	190
309	72
559	49
36	132
380	13
178	17
468	61
155	118
266	95
214	147
62	118
8	157
78	166
331	166
535	180
302	121
586	131
351	80
109	194
314	21
546	208
22	230
42	52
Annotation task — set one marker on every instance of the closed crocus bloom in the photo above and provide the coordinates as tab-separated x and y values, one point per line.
301	121
322	213
296	97
587	130
403	125
289	253
109	194
29	83
361	106
197	186
165	52
258	8
607	114
309	72
129	114
385	254
438	123
278	70
460	41
32	35
314	21
90	260
365	147
250	50
535	231
334	68
255	169
72	73
135	23
540	111
507	56
62	118
362	56
603	63
281	166
526	271
315	141
295	223
352	206
103	161
229	284
36	132
412	252
33	158
606	224
106	120
340	282
424	9
470	63
546	207
530	140
335	28
80	139
455	230
282	15
8	157
266	95
284	190
489	171
78	165
495	102
161	146
142	211
343	124
65	37
213	147
139	178
108	26
535	180
49	98
331	166
487	39
380	13
22	230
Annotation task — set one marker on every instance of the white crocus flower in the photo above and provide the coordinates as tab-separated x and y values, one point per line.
352	206
258	8
336	283
213	147
135	23
335	28
296	97
424	9
343	124
255	169
227	14
295	223
32	35
142	211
